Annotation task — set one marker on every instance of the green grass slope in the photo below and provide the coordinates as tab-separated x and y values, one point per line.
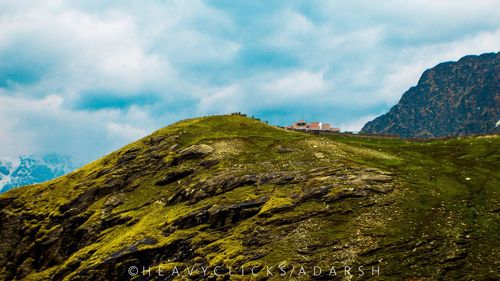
230	191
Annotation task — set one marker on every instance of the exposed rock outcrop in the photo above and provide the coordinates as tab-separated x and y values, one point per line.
233	192
450	99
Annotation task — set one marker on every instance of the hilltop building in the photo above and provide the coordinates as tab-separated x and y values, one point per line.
302	125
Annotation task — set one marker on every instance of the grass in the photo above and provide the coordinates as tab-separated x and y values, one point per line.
444	203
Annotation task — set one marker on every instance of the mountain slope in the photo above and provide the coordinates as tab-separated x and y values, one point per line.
233	192
25	170
451	99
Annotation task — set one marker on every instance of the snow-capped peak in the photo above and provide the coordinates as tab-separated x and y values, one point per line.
31	169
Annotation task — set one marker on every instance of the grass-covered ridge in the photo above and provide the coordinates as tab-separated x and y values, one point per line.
232	191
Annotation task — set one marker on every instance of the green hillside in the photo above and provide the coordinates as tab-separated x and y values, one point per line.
233	192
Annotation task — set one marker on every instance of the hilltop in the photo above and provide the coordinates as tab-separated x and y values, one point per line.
231	191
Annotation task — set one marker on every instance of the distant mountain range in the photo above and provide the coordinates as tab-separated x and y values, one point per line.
25	170
450	99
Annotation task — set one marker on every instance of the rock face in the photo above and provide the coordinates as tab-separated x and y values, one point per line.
232	192
451	99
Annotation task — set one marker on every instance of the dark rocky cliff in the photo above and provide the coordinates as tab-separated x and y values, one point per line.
451	99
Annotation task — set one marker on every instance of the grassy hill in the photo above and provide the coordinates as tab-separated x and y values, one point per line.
233	192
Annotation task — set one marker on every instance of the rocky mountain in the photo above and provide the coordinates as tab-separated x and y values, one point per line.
450	99
26	170
231	196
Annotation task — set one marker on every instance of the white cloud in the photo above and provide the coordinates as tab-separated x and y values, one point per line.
45	126
300	83
355	125
160	61
88	51
125	131
221	101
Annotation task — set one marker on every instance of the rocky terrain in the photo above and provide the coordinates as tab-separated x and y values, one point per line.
30	169
233	192
451	99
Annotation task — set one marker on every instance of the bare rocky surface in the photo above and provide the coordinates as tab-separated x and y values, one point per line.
451	99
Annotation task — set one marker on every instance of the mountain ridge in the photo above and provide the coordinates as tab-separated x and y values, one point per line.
451	99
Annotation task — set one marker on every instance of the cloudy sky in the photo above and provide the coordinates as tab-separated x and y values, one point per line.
82	78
